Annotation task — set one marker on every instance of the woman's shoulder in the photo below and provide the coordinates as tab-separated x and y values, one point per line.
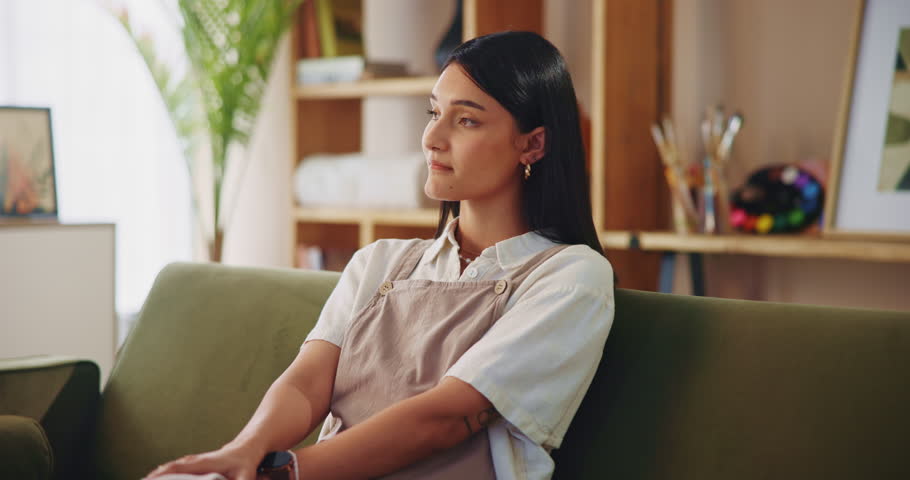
578	267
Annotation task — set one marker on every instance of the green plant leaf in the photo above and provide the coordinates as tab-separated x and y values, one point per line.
230	46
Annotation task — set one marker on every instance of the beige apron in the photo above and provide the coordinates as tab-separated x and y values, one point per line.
403	341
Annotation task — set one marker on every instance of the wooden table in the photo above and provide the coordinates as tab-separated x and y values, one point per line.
801	246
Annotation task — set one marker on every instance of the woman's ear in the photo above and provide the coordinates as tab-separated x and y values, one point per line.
535	145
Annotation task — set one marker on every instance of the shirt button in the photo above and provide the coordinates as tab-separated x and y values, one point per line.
500	287
472	272
385	288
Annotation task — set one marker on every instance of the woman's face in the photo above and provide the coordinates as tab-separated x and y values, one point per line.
471	143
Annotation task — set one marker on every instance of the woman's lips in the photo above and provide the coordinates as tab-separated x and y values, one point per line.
439	166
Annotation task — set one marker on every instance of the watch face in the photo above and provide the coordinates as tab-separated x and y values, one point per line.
274	460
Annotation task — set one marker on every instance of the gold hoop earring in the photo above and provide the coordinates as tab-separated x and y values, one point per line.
527	170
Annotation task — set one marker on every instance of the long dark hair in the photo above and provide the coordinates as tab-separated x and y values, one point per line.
527	75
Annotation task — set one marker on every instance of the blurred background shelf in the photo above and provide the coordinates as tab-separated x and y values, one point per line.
379	87
685	57
802	246
869	250
354	228
425	217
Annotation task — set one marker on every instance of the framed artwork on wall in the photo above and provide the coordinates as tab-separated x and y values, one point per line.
28	186
869	189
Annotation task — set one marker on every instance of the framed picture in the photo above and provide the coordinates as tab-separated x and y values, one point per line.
869	189
28	186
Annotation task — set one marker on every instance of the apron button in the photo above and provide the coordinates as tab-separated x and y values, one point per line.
385	288
500	287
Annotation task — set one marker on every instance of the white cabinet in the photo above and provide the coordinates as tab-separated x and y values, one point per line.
57	291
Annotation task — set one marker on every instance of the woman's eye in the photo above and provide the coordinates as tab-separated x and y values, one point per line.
434	115
467	122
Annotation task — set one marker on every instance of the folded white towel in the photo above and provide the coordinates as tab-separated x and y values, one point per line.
190	476
359	181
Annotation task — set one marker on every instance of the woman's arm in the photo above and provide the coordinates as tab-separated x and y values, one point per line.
295	403
402	434
291	408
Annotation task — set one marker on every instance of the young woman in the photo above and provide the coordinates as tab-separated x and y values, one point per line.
466	355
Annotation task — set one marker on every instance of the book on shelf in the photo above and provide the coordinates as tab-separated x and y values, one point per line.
340	27
310	30
345	69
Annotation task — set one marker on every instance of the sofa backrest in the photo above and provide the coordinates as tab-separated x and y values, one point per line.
688	387
704	388
209	341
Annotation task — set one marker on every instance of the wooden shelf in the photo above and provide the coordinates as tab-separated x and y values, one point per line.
380	87
616	239
803	246
368	224
424	217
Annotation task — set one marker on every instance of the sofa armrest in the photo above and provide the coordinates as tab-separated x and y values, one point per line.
62	394
24	450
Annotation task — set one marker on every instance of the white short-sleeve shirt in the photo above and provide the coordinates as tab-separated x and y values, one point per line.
535	363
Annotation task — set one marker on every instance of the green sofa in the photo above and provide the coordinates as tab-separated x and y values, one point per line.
688	388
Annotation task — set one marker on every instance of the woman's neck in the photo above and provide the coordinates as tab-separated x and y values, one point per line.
481	224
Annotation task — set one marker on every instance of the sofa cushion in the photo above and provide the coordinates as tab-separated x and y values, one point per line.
209	341
25	453
705	388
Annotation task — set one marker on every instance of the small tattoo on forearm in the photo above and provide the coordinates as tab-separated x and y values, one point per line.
468	424
484	419
487	417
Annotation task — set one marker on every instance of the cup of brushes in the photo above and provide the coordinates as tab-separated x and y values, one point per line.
711	213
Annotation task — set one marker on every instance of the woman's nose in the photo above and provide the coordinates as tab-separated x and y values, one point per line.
434	136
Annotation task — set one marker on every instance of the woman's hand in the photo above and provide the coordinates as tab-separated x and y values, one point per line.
293	406
233	462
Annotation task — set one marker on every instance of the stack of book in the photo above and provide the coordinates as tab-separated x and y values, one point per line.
332	36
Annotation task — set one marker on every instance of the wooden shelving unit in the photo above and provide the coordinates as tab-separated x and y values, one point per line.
630	90
424	217
367	88
801	246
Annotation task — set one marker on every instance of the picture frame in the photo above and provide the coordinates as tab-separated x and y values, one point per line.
869	187
28	180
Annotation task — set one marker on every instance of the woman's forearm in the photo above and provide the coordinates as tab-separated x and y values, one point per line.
382	444
400	435
295	403
284	418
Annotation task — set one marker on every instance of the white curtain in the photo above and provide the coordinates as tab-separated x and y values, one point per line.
116	153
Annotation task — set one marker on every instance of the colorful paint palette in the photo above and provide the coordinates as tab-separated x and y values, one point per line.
777	199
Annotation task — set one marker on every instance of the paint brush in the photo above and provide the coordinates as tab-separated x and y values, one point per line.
676	163
726	141
669	154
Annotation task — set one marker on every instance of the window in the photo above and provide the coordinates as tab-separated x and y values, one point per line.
116	153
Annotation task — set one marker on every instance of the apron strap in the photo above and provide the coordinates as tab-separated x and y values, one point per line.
410	260
533	263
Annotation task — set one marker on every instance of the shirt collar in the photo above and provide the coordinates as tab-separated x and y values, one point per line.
447	237
509	252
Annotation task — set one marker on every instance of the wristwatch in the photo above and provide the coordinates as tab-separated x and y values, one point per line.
280	465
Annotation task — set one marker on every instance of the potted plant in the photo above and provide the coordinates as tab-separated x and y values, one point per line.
230	47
